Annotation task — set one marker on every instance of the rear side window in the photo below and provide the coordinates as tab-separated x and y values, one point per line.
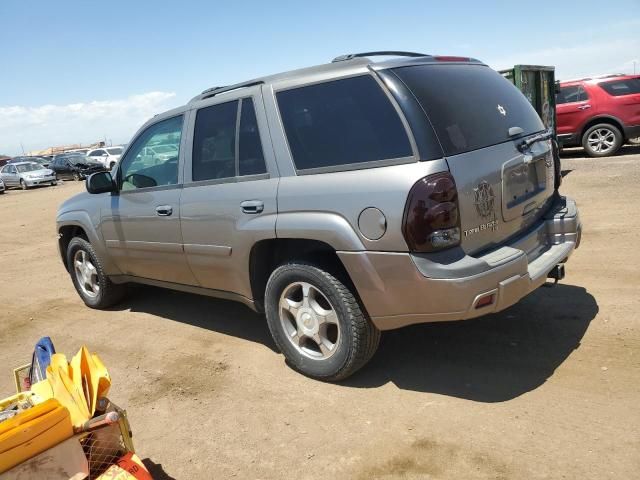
341	122
469	106
618	88
571	94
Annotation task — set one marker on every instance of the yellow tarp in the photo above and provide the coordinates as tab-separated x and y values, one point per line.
32	432
77	385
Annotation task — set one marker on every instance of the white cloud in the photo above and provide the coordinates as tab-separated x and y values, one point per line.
581	58
49	125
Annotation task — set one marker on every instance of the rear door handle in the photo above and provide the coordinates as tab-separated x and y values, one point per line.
164	210
252	206
584	107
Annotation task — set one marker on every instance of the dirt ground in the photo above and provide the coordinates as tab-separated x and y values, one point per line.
549	388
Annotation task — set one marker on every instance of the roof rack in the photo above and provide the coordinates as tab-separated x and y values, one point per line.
596	77
211	92
386	53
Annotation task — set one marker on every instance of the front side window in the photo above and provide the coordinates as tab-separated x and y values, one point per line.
98	153
115	151
619	88
341	122
142	167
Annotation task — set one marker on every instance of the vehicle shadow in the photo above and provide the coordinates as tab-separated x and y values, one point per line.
579	152
490	359
224	316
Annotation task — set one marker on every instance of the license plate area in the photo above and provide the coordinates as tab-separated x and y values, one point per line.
523	184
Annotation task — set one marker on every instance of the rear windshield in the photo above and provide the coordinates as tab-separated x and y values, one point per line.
618	88
469	106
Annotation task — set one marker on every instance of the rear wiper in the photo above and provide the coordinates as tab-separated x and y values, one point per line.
525	144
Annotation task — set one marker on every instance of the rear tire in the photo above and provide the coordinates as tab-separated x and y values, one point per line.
92	284
602	140
324	333
76	176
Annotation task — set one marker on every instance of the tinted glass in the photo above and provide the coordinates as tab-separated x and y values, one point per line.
141	168
97	153
115	151
250	157
622	87
573	93
340	123
214	142
469	106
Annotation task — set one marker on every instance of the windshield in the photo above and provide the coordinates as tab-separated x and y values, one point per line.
115	151
77	159
469	106
28	167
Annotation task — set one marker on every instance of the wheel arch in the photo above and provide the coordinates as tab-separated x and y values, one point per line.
610	119
266	255
77	223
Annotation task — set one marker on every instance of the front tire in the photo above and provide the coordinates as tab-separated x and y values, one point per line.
317	323
23	185
602	140
87	274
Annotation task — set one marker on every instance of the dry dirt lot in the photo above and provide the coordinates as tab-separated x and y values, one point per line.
549	388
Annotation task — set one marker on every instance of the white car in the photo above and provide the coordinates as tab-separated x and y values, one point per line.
107	156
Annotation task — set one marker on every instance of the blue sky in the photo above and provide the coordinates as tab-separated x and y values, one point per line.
77	71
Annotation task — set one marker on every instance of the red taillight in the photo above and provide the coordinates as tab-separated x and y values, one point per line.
431	221
449	58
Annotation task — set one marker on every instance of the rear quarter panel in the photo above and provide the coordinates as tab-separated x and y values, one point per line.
333	203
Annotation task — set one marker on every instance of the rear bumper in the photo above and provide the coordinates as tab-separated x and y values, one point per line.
400	289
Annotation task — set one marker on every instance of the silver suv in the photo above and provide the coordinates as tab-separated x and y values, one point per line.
340	200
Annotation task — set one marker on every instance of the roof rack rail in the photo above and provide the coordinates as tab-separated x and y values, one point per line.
393	53
595	77
211	92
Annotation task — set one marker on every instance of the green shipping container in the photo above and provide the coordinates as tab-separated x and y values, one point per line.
538	83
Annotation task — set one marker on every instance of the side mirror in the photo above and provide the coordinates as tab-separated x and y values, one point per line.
100	182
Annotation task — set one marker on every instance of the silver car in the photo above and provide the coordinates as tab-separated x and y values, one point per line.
340	200
26	175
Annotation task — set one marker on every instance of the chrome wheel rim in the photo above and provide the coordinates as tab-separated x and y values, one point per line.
86	274
309	321
601	140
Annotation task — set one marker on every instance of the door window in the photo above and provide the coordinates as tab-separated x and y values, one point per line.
214	142
152	160
98	153
571	94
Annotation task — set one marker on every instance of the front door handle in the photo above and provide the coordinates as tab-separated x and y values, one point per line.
252	206
584	107
164	210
